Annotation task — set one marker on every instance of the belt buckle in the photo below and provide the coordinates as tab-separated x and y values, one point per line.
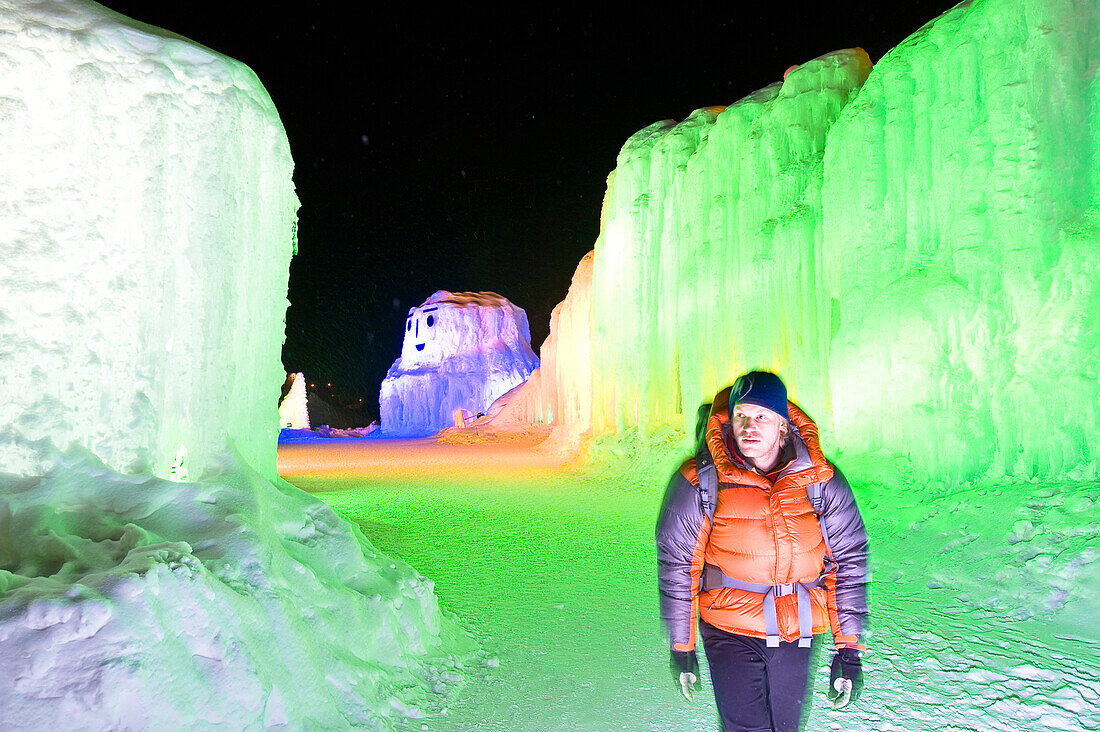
787	589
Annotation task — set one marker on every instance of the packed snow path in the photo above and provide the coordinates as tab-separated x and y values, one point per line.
984	598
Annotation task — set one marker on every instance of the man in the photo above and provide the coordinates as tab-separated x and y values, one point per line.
745	549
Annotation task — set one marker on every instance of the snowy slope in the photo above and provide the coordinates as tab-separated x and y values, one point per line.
130	602
985	600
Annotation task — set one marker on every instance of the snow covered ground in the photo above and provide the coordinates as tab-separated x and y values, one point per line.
135	603
984	597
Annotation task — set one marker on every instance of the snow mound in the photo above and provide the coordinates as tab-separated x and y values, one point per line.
131	602
983	606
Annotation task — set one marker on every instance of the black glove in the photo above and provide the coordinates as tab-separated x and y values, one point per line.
685	672
845	677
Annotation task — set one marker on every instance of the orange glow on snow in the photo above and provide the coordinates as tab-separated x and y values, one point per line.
407	457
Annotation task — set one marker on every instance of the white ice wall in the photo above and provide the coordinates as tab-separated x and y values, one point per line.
146	226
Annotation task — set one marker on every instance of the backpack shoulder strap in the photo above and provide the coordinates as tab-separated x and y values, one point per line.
816	493
708	481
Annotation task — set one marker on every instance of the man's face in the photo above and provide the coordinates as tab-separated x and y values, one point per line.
757	431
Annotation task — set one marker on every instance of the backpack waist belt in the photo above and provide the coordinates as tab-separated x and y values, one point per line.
713	578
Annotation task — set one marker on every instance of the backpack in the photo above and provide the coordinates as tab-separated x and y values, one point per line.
713	577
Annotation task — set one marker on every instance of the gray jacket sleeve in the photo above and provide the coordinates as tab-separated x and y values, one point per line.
682	532
847	536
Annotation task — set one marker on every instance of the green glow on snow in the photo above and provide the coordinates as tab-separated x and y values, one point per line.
980	616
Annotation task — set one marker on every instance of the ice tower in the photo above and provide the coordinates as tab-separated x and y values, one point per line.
147	226
293	409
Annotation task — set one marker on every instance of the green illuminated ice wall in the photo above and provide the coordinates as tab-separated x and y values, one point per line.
913	247
960	218
720	217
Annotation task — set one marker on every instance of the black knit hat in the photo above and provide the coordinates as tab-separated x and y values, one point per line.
763	389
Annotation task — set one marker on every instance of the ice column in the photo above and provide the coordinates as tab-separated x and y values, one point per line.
566	371
147	221
293	409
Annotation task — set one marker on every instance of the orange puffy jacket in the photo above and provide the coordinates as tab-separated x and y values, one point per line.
763	533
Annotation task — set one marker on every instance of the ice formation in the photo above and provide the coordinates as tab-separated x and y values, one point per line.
147	222
963	224
564	388
147	226
559	392
293	412
914	248
461	350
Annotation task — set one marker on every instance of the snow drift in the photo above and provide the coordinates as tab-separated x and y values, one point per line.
131	602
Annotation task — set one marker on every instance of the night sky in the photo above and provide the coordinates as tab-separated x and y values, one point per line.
469	150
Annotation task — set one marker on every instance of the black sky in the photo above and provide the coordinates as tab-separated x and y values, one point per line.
468	150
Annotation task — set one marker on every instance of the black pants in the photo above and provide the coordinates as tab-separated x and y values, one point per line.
758	689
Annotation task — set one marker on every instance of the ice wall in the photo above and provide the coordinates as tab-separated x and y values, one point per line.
960	223
146	228
708	260
461	350
565	379
914	249
559	391
147	221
